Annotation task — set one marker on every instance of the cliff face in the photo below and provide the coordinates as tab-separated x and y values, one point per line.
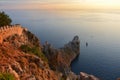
24	66
22	56
22	61
60	59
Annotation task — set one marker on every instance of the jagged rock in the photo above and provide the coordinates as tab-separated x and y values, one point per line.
84	76
74	45
27	66
32	77
72	76
24	66
60	59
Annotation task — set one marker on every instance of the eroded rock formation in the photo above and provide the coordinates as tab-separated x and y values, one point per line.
27	65
85	76
60	59
23	65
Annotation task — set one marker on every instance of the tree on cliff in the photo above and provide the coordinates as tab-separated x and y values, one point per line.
4	19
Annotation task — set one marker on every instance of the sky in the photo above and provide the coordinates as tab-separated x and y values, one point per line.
59	4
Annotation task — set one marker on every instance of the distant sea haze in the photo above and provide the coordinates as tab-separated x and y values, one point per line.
99	28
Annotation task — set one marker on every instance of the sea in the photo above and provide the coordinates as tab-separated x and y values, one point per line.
100	29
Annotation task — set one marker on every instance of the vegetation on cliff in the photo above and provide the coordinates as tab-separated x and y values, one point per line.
4	19
22	56
6	76
33	50
60	59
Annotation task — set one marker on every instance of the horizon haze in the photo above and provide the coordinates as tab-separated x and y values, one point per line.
60	4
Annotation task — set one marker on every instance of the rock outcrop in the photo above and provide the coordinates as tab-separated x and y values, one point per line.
22	55
84	76
60	59
24	65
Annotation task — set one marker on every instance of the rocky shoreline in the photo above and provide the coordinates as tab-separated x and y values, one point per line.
23	57
63	56
61	59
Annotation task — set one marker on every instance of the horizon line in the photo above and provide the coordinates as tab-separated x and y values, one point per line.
58	6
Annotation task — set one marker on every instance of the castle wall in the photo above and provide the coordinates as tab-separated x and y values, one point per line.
7	31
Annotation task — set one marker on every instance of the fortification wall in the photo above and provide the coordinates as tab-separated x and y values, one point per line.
7	31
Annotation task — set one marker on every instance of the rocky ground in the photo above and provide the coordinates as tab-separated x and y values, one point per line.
26	59
24	65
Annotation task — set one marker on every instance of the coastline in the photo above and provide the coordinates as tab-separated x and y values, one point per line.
36	61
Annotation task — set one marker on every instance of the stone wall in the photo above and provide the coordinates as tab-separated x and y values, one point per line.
7	31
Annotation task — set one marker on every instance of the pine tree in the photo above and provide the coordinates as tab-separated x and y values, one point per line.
4	19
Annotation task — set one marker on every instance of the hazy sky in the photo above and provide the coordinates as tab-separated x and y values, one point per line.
14	4
63	1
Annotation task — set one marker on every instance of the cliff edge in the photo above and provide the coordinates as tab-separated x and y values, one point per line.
22	57
60	59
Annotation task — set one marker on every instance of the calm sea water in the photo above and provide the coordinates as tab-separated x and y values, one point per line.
101	29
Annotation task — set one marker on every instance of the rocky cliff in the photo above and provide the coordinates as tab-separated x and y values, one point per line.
22	57
60	59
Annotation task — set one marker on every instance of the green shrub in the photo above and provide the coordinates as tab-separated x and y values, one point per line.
25	48
33	50
6	76
4	19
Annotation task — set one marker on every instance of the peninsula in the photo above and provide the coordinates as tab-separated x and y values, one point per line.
23	57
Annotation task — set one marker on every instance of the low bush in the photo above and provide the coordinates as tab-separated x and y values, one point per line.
33	50
6	76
